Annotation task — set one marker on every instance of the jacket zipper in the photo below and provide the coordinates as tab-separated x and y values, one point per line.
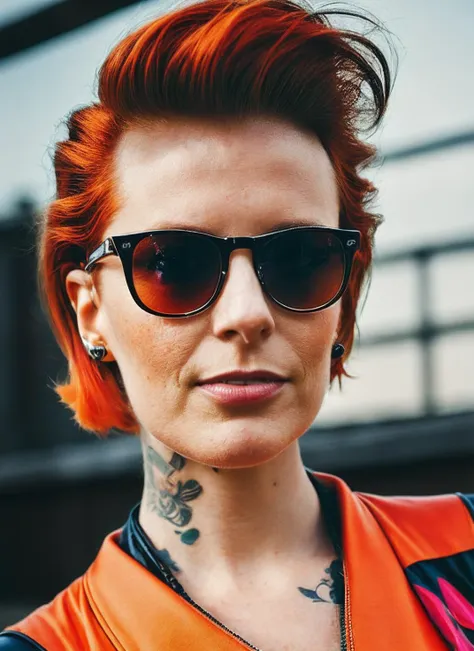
342	625
346	615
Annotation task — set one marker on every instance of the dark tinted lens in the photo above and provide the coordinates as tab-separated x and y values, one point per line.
176	273
303	269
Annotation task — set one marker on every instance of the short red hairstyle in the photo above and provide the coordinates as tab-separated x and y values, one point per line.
234	58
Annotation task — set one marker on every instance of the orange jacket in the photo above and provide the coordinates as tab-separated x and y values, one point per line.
118	604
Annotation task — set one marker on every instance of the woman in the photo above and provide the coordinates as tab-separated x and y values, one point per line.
202	265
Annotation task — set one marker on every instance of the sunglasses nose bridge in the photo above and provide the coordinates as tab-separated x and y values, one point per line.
232	244
247	243
235	243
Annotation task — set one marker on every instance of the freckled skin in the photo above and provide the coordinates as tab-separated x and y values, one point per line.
229	179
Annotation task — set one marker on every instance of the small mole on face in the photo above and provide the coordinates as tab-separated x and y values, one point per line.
274	483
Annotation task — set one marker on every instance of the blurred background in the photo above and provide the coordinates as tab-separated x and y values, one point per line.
403	425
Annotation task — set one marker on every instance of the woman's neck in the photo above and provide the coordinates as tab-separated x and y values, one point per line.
230	522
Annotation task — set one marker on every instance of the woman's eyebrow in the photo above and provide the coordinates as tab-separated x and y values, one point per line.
274	227
281	225
186	226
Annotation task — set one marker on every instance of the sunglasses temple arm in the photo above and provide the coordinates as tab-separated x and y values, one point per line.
106	248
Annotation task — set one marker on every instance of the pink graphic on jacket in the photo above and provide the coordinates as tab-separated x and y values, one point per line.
459	612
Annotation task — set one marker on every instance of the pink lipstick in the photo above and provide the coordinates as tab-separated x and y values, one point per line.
243	387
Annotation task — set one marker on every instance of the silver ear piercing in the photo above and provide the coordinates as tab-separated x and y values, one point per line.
97	353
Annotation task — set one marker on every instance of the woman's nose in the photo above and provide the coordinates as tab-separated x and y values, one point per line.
242	310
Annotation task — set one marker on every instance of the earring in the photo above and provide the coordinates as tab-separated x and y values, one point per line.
97	353
338	351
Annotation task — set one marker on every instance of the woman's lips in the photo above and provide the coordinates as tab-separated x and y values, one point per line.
235	394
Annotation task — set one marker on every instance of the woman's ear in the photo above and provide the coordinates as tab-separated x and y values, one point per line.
83	298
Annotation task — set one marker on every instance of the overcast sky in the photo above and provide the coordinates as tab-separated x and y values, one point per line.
422	199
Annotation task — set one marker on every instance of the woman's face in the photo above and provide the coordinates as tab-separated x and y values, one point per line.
228	179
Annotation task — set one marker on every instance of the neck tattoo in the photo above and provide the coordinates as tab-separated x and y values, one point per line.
168	496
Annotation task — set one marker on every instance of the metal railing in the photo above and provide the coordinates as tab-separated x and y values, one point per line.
428	330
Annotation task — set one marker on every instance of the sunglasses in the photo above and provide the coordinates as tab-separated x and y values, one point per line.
179	273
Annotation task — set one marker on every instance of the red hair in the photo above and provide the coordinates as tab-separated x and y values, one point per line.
234	58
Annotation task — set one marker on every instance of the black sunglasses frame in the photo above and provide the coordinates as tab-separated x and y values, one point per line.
124	246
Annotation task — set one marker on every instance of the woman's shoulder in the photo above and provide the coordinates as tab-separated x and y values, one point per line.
426	528
414	511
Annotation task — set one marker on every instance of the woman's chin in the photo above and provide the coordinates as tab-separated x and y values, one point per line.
240	449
